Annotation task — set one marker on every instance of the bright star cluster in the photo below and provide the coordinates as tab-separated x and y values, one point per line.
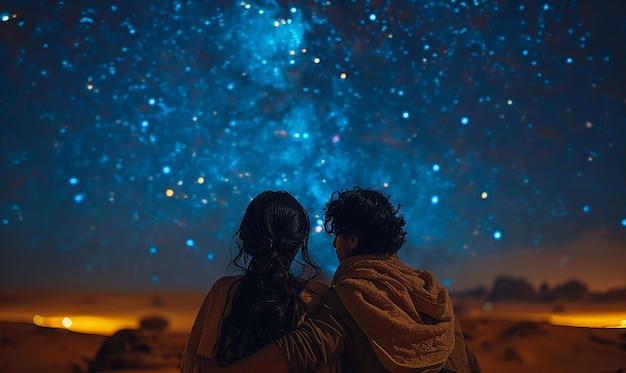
135	133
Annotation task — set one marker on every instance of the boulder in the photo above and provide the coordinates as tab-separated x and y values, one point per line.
137	349
510	289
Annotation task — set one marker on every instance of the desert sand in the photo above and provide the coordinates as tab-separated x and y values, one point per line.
506	337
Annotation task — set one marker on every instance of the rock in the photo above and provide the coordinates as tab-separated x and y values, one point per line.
506	288
137	349
617	295
153	323
570	291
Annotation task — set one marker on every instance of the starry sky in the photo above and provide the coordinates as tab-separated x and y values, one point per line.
134	133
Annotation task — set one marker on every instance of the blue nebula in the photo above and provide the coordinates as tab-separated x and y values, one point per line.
132	127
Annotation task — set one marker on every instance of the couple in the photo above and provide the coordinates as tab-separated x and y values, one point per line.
379	315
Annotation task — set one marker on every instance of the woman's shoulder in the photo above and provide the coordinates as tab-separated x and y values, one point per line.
222	289
226	281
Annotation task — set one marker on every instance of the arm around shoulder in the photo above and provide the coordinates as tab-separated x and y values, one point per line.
268	359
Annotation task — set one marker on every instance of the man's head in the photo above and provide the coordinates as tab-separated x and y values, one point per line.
366	222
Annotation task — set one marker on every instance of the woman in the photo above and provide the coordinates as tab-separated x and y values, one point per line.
243	313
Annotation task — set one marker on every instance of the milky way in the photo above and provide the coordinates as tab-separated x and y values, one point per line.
135	133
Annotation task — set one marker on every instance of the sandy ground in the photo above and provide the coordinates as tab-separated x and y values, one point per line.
509	338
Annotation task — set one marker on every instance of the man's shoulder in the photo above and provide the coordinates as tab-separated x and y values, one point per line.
332	300
312	293
315	287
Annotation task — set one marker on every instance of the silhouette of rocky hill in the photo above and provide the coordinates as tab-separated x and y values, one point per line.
506	288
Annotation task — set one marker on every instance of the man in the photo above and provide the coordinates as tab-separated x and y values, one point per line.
380	315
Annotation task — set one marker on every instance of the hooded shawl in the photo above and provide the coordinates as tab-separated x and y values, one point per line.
407	317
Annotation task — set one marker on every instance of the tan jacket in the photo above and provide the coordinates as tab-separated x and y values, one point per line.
205	330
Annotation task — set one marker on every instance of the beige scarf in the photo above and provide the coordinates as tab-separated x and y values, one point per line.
406	315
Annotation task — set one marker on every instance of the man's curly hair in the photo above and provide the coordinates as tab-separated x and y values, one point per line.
369	215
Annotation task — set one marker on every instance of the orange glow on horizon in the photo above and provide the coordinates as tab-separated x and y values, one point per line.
107	326
610	320
87	324
610	317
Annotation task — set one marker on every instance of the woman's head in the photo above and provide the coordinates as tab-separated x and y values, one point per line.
274	225
267	303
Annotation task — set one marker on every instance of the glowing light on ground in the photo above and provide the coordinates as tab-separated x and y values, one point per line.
590	320
587	315
102	325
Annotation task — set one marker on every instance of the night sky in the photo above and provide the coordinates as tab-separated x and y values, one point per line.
134	133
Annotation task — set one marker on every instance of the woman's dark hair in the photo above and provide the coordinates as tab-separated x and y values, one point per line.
267	303
369	215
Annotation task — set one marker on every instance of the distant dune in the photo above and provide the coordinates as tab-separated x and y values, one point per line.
500	345
512	328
